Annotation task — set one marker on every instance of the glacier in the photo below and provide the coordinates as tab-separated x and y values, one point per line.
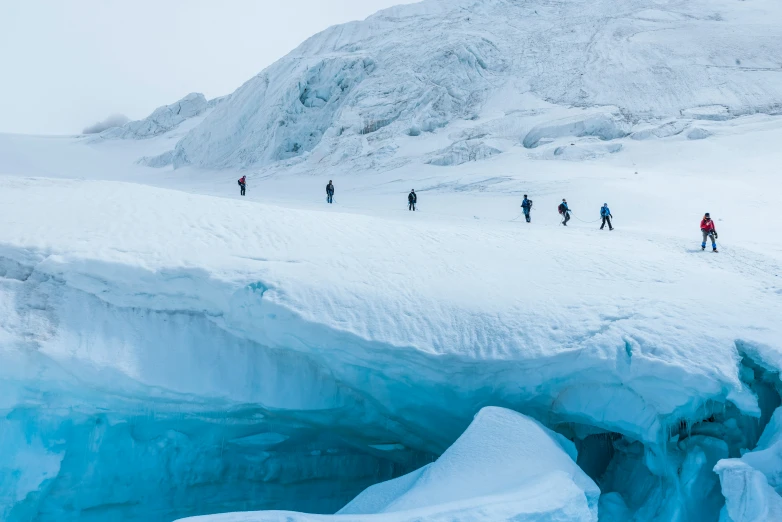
283	365
169	349
417	68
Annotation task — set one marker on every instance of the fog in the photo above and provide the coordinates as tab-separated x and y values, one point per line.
66	65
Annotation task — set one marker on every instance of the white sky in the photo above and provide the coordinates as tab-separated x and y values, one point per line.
65	64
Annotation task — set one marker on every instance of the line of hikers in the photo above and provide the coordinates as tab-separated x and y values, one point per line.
565	210
707	225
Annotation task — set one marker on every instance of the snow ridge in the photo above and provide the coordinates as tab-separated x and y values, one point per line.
162	120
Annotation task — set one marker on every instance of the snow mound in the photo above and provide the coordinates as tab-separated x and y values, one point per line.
698	134
501	452
709	112
462	152
162	120
159	161
666	130
577	151
505	466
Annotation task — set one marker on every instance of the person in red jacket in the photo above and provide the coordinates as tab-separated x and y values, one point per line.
243	184
708	230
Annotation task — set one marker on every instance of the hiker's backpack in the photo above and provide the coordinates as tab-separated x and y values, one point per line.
561	208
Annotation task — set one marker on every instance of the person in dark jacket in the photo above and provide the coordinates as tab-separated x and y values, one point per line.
412	199
526	206
242	184
605	213
709	232
565	211
330	192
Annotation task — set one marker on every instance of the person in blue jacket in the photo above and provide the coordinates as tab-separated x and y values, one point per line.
605	213
565	211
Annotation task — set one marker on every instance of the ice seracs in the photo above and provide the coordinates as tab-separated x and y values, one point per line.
752	484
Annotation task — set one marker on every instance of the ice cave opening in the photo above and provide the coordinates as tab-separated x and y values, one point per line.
675	480
159	464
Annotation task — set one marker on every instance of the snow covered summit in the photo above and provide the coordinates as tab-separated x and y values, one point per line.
416	68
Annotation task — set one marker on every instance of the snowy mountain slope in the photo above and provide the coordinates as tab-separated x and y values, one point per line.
416	68
504	467
163	119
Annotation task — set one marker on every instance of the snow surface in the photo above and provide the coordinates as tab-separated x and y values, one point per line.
504	467
171	349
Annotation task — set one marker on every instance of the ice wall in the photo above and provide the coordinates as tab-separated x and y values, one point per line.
173	417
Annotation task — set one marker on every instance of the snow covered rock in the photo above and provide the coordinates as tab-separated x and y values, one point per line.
505	466
162	120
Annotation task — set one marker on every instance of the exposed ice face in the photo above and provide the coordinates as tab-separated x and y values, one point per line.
417	68
752	484
227	426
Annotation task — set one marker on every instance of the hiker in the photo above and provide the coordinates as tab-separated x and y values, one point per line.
412	199
709	232
330	192
565	211
242	184
605	213
526	206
